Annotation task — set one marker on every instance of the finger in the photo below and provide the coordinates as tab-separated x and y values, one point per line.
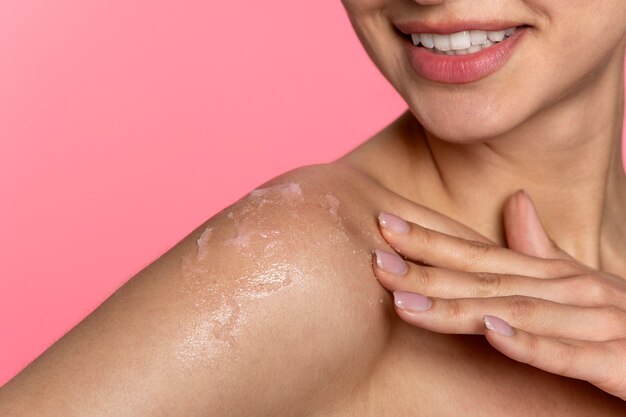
437	221
543	317
397	275
451	252
600	363
525	232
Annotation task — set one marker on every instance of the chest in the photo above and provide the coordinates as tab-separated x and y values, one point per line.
429	374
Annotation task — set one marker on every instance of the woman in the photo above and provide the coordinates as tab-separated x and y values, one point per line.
276	306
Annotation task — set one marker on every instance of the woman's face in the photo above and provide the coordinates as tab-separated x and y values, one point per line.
569	45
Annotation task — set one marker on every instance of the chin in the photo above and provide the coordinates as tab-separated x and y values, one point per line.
466	127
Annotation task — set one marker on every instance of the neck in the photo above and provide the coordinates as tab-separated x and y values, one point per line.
568	157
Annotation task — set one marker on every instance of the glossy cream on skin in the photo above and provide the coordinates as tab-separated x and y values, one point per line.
224	306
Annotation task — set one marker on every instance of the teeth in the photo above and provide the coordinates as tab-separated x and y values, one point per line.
427	40
442	42
496	36
460	40
478	37
461	43
470	50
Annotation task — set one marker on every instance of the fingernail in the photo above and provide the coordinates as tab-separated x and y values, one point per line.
411	301
498	325
393	223
390	262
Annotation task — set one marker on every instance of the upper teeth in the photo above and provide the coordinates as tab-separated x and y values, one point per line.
460	40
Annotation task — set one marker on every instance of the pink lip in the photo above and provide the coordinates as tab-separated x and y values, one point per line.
460	69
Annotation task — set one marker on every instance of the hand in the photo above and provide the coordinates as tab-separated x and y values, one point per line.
565	317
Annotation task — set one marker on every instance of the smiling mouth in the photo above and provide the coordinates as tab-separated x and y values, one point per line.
460	43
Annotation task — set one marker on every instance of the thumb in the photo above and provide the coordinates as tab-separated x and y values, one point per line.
524	231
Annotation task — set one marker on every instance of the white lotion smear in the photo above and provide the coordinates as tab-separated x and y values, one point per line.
222	304
203	243
247	221
225	300
333	204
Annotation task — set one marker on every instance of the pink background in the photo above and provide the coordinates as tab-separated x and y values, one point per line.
124	124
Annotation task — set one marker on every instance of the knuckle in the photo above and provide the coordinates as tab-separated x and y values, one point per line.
617	347
521	309
593	288
424	277
424	237
454	309
478	250
536	353
614	321
487	283
562	267
531	352
566	357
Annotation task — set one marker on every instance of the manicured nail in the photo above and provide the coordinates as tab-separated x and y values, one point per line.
393	223
390	262
498	325
411	301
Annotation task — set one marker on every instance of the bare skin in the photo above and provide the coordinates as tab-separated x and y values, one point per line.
325	342
276	310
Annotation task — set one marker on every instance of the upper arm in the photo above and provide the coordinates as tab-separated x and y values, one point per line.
266	309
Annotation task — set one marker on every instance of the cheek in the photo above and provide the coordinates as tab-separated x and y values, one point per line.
358	9
577	41
378	37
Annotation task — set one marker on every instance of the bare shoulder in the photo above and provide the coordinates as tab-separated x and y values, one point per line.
289	293
268	308
290	264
